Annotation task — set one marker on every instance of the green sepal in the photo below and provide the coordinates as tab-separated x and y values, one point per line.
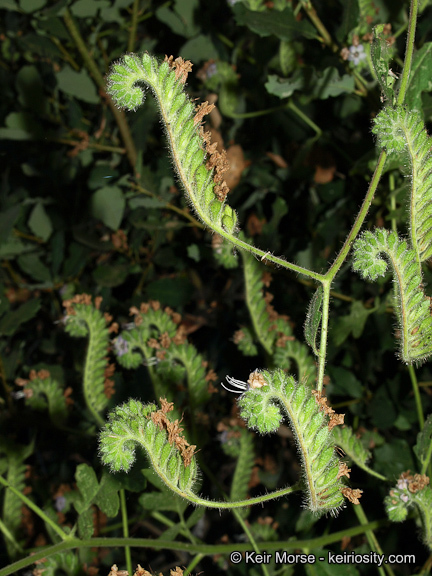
313	319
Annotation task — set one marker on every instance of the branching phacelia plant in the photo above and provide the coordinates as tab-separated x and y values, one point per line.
289	388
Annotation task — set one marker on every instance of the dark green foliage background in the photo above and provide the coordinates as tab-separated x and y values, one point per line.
67	186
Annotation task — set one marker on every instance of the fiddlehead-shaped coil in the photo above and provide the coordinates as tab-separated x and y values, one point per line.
171	456
199	165
155	338
412	491
402	130
83	318
287	348
42	391
354	449
134	344
12	458
256	302
269	395
414	307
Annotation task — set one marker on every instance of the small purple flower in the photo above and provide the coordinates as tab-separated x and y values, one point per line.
402	484
223	437
357	54
121	346
60	503
404	497
211	70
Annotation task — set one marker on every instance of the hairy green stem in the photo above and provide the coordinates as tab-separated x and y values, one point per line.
358	223
373	542
240	503
91	65
205	549
35	509
125	529
427	463
192	564
10	537
251	539
324	330
91	145
316	21
305	118
168	206
91	358
290	105
417	396
134	25
340	259
408	52
267	256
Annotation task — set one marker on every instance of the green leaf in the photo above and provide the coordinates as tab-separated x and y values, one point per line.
353	323
88	486
76	260
107	497
85	524
9	5
420	79
29	86
324	568
313	319
193	252
243	470
40	223
101	174
108	204
321	85
329	84
393	458
170	292
88	8
382	410
181	18
343	382
282	24
380	59
77	84
111	275
30	6
11	321
40	45
162	501
7	221
13	246
423	447
31	264
145	202
350	18
284	87
199	49
21	126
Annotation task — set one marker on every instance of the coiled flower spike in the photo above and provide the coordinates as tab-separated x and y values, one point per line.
199	165
269	396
